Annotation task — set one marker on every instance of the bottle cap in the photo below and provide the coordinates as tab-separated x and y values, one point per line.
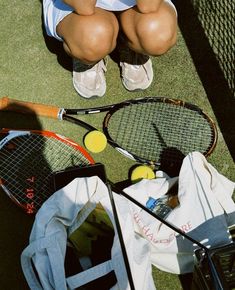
150	204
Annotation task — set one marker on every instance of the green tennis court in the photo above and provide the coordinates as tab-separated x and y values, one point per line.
199	70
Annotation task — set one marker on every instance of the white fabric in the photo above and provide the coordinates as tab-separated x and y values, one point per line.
55	10
205	212
115	5
64	212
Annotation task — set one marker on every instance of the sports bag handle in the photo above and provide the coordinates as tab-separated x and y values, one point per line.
50	244
89	275
56	266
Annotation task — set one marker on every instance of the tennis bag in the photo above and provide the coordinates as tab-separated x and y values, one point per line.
214	268
205	212
69	212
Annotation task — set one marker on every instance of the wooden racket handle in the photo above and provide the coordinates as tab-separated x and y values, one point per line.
8	104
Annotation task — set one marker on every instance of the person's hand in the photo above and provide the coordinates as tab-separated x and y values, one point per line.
82	7
148	6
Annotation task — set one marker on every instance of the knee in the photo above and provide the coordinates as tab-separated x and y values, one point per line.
94	45
163	39
93	42
157	38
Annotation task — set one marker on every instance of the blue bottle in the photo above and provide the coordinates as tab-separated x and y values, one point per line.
159	206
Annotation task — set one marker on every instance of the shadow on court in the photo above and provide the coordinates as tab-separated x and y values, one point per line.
212	77
56	47
15	224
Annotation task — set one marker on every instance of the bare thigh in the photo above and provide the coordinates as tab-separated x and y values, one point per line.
89	38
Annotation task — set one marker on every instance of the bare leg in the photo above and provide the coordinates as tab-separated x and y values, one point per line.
150	33
89	38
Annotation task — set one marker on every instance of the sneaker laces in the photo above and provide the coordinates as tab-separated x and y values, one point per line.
82	67
129	56
137	67
90	69
99	67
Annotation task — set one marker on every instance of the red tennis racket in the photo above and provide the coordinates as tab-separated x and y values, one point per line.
29	158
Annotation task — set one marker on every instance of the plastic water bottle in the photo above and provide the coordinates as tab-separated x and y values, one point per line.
159	206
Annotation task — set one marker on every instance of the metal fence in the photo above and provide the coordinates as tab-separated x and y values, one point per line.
217	18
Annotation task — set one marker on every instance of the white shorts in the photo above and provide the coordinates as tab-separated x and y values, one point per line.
56	10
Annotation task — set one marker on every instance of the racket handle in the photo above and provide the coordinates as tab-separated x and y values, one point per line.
7	104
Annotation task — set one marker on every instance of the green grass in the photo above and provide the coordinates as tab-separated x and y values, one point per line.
30	70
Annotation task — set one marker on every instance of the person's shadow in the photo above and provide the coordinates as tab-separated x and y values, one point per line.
14	222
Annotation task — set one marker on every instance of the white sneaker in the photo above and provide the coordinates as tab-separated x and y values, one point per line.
136	68
136	76
89	80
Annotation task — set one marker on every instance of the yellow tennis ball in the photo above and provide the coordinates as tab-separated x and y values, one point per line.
142	172
95	141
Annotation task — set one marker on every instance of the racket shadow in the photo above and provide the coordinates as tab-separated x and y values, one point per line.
167	165
171	158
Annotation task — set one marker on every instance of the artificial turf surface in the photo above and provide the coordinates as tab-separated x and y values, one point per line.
34	68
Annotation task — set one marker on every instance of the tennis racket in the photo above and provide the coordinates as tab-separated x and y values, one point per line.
151	130
29	158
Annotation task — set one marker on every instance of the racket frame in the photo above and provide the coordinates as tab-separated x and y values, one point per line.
171	101
13	133
111	109
65	114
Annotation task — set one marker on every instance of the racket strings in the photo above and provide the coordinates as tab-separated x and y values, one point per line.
14	173
149	129
183	128
131	130
27	163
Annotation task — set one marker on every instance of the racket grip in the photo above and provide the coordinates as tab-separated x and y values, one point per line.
8	104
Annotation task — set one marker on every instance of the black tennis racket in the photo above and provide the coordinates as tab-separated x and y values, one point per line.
151	130
28	160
